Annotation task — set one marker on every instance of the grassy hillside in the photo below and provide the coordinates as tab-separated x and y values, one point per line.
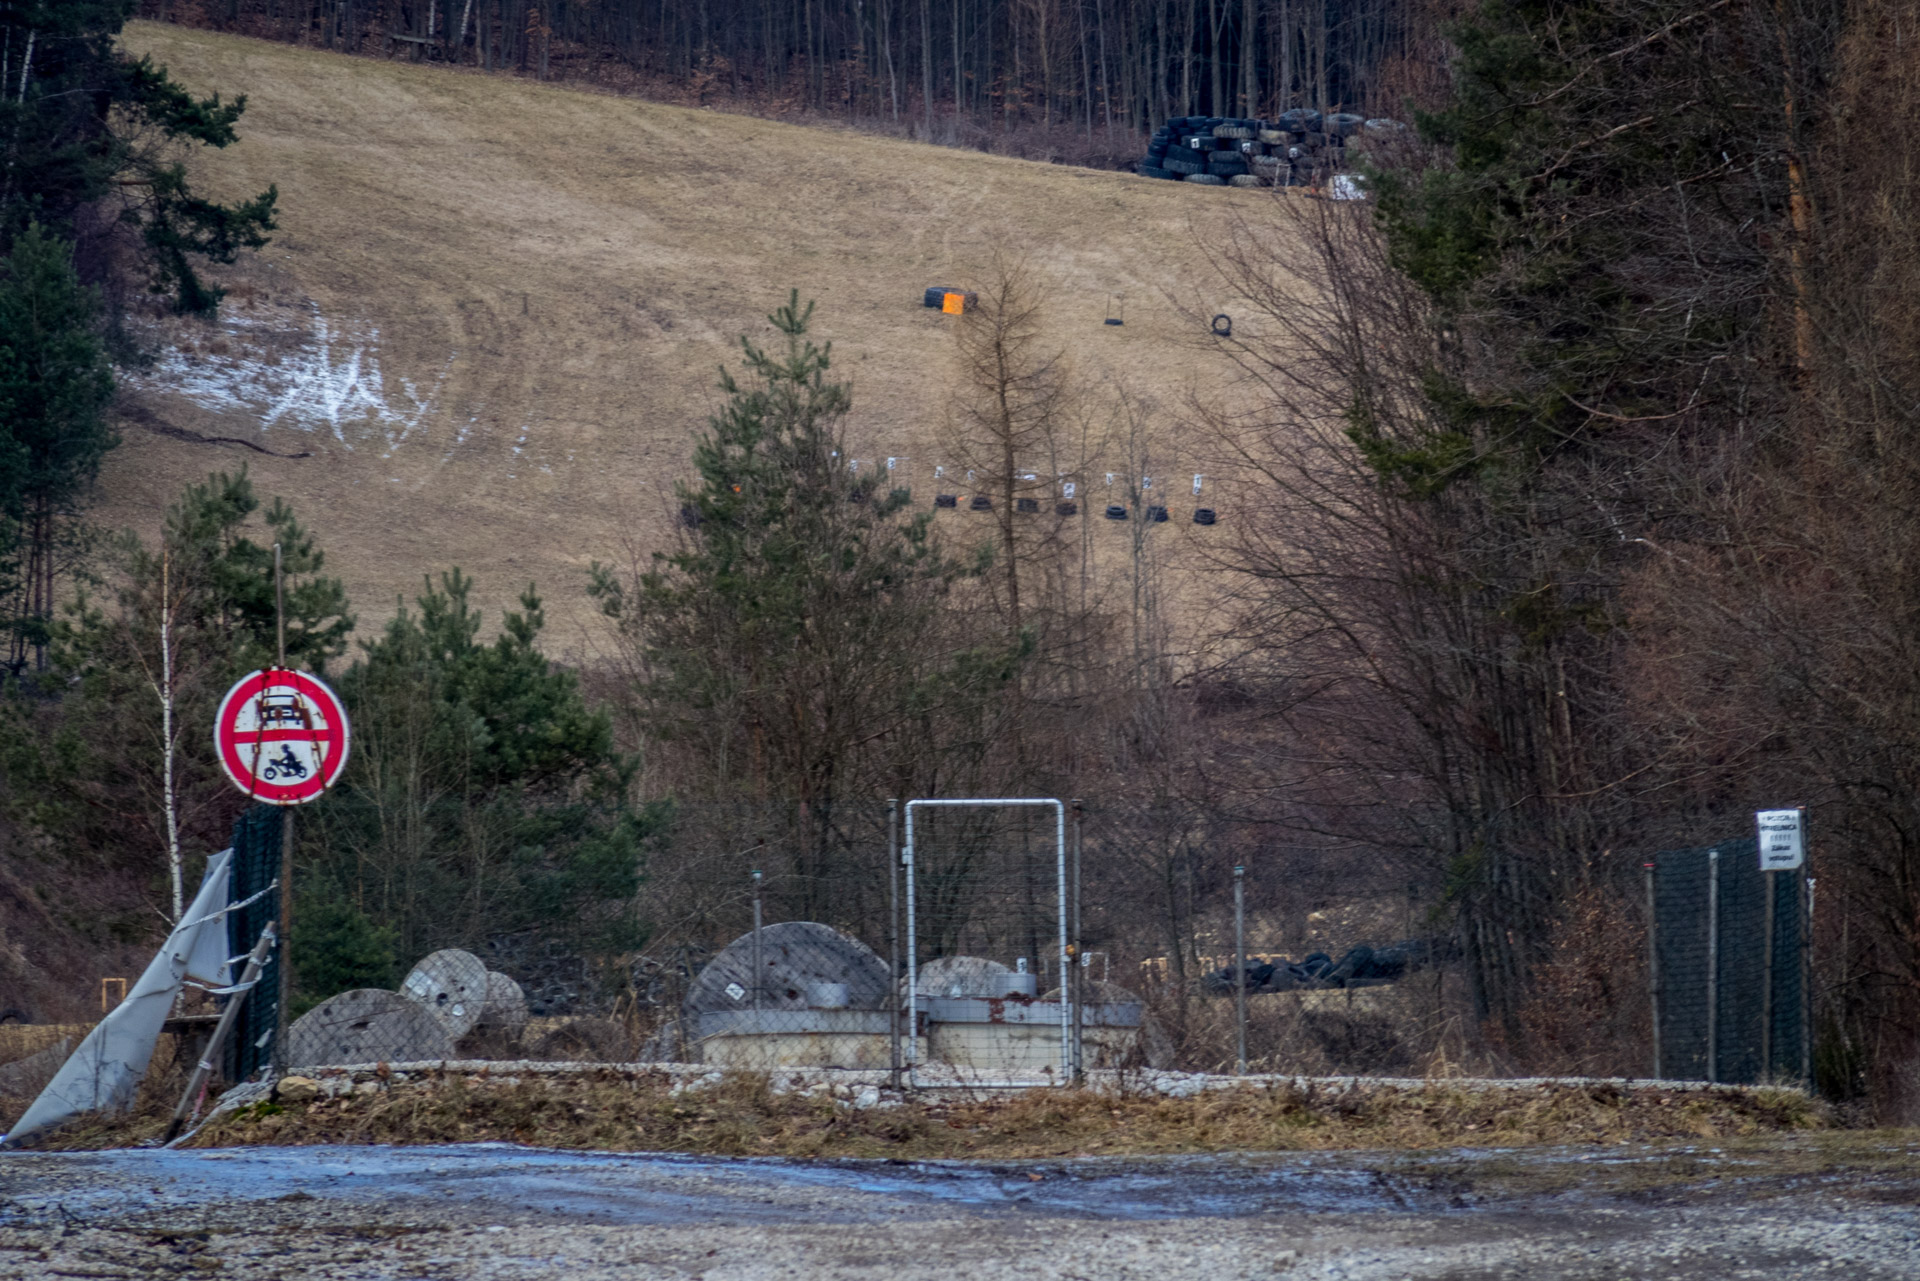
493	313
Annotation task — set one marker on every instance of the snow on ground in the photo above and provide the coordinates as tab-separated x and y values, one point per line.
298	368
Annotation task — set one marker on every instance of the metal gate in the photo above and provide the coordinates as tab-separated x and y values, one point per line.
964	891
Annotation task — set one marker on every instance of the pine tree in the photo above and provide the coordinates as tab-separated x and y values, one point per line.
54	390
79	119
485	799
89	769
794	649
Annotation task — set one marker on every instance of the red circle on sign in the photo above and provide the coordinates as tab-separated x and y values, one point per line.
282	736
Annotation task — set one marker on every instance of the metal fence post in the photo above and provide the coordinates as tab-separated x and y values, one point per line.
1804	919
1713	965
1079	989
1240	967
1067	1014
1766	984
913	959
1653	972
1805	915
893	940
759	973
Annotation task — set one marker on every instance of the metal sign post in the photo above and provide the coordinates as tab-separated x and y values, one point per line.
1782	843
282	737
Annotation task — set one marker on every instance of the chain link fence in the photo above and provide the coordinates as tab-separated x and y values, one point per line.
257	837
1727	966
1020	943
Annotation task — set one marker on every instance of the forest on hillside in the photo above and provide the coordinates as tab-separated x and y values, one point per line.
1046	78
1591	472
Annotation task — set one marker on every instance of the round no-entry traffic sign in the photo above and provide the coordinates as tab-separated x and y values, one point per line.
282	736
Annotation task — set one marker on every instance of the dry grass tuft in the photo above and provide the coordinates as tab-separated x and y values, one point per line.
743	1115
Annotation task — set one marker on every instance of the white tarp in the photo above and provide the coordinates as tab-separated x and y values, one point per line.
105	1071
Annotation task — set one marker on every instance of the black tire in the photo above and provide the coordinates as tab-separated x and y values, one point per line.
1251	149
1226	166
1299	120
1248	180
1233	131
1206	179
1151	171
1342	123
1182	167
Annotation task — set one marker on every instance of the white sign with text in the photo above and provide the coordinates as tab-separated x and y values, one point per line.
1783	839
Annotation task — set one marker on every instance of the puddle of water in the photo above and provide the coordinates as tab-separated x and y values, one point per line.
503	1179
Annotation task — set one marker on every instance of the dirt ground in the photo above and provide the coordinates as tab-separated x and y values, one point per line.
1817	1206
490	324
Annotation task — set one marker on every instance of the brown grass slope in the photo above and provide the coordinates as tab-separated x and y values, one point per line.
493	312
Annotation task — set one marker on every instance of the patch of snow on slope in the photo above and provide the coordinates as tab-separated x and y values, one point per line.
304	372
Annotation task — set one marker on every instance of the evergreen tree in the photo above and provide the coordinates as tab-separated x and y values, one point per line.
340	948
79	124
141	673
484	803
1592	234
54	391
1566	312
794	651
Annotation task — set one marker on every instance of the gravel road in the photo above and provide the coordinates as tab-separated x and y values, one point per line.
492	1212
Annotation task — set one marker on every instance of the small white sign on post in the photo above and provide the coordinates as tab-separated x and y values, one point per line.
1783	839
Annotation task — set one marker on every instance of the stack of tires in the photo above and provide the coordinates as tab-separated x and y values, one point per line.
1299	148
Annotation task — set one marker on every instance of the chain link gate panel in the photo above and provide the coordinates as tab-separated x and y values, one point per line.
1728	966
985	887
256	865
